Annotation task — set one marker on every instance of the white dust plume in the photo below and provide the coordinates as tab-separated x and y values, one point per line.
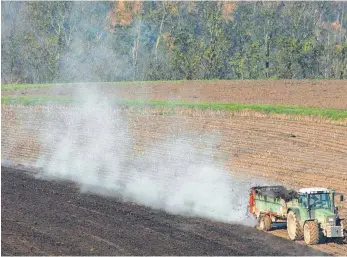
91	145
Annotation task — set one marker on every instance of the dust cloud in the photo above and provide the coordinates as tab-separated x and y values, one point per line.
91	144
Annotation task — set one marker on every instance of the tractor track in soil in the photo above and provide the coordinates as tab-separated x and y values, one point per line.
52	218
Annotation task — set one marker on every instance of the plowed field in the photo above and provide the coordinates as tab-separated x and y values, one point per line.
296	153
50	218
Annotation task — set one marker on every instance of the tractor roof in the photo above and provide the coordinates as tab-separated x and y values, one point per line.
312	190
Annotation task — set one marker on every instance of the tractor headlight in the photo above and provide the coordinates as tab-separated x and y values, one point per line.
331	220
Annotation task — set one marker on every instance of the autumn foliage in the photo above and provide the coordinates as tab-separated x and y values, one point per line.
123	12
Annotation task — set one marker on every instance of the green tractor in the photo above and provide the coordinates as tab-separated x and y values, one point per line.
310	214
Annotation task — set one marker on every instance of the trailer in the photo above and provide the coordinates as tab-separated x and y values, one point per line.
309	214
268	205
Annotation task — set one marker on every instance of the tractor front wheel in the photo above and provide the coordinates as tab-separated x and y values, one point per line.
311	232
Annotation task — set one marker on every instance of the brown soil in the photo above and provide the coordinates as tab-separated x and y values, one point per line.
328	247
315	93
51	218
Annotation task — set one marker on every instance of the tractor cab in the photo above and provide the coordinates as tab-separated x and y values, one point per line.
314	198
318	198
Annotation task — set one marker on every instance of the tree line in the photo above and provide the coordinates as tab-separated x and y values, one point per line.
44	42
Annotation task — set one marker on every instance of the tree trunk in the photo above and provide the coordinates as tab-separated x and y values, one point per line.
160	31
136	49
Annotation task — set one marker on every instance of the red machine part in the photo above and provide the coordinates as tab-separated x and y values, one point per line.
252	201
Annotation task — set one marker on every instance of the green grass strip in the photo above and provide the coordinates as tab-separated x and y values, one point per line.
10	87
28	100
334	114
13	87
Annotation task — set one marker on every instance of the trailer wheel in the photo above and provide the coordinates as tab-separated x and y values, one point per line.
293	227
311	232
264	223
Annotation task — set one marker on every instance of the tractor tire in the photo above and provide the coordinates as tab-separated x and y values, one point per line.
340	241
311	232
293	227
264	223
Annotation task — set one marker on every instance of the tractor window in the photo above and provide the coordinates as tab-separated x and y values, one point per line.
320	201
303	200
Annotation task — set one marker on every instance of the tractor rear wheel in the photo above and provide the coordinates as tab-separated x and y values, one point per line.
340	241
264	223
311	232
293	227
